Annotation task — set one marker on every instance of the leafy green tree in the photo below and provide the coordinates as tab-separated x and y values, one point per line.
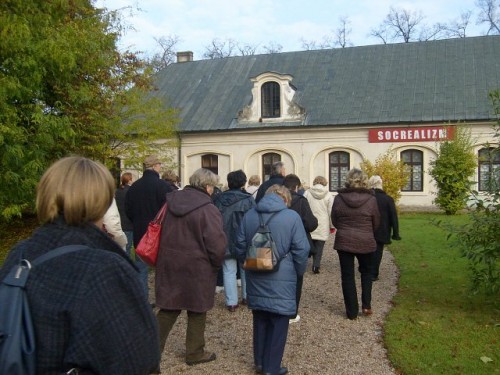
394	173
452	170
479	240
66	89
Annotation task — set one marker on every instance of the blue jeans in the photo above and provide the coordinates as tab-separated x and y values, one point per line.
141	266
229	269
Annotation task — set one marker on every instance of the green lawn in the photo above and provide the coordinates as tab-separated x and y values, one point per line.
437	326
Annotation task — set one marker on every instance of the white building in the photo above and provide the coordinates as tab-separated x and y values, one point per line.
322	112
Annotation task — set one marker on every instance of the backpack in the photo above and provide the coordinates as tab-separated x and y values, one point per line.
262	254
17	334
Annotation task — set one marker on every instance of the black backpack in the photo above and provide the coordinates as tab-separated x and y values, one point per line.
17	334
262	254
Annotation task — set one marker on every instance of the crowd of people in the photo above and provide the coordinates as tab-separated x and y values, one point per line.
102	309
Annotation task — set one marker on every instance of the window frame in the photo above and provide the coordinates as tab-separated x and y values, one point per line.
341	173
210	162
267	167
270	100
412	181
486	157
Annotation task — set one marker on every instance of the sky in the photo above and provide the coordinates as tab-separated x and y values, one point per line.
262	22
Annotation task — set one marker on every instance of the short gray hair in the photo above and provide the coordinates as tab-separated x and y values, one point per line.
202	178
375	182
278	167
356	178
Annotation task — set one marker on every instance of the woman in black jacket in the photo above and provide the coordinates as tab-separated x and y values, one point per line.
388	222
88	307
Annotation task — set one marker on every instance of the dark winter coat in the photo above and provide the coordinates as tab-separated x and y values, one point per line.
120	194
89	308
275	179
276	291
301	205
388	218
191	252
143	201
356	217
233	204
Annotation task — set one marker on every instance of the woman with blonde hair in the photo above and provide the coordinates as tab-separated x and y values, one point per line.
321	202
356	217
253	185
88	307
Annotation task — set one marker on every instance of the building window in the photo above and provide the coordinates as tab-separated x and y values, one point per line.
488	169
267	164
413	159
210	162
270	100
339	165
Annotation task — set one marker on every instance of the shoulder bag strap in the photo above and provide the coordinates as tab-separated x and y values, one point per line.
57	252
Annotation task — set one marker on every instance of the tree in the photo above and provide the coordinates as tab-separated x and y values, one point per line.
407	26
394	173
167	52
272	47
341	35
219	49
452	170
479	239
489	14
64	88
458	27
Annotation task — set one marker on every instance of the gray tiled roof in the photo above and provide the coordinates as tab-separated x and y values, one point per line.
421	82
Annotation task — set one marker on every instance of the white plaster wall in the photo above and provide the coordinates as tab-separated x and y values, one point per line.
305	152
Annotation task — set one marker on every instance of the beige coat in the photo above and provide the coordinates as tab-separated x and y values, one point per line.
321	202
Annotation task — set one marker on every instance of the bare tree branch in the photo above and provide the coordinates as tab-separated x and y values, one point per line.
272	47
342	33
167	53
490	15
219	49
458	27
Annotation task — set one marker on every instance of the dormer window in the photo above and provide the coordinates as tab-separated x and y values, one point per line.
271	99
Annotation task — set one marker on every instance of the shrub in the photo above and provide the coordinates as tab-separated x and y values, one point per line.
393	172
452	170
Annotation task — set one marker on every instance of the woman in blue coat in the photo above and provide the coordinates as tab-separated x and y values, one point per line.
271	296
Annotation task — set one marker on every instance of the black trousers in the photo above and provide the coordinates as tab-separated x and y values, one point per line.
377	259
348	273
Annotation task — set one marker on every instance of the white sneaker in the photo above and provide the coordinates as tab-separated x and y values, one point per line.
219	289
297	318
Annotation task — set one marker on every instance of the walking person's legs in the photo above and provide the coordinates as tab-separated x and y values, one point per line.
377	259
348	284
229	268
366	269
319	245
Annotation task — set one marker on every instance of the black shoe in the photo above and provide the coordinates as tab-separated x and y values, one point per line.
315	269
282	371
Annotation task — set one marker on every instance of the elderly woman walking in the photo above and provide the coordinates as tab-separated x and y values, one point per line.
192	248
356	217
272	295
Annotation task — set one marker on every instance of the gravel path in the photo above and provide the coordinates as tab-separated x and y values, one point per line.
324	341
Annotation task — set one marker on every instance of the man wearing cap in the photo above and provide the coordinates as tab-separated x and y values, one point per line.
143	201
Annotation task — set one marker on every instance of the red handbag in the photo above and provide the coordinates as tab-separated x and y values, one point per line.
148	246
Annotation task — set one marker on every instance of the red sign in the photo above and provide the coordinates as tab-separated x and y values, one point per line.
414	134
